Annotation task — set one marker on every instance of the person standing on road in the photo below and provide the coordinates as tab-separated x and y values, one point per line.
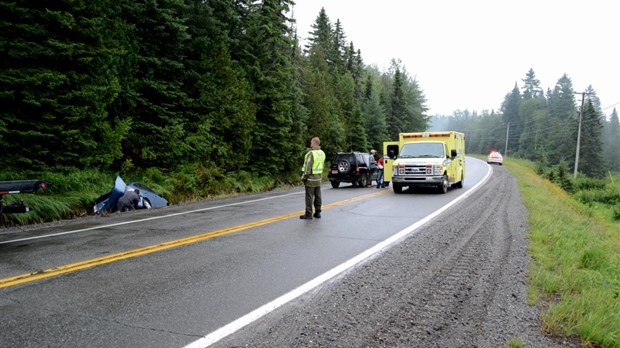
373	164
380	164
311	176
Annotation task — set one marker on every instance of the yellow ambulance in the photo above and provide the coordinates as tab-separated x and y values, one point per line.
434	159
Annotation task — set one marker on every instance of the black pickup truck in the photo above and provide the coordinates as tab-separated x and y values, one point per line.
18	186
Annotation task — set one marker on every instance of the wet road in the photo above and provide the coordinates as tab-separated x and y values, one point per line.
169	277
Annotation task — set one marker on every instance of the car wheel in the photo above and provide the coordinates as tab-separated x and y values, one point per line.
335	184
147	204
344	167
363	181
397	188
443	187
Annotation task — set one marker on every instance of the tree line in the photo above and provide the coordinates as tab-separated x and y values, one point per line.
224	85
543	127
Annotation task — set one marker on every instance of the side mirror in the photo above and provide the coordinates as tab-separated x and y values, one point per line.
453	153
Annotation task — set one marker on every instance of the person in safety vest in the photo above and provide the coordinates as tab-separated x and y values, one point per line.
311	175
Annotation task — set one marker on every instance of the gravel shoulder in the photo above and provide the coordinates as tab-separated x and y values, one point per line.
461	281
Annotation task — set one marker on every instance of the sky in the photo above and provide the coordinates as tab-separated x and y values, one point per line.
468	54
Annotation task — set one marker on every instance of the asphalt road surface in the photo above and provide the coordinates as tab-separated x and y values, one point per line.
379	269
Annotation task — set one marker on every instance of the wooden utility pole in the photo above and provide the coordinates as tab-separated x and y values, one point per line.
506	148
583	98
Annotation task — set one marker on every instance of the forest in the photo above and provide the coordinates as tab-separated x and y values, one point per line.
543	126
219	89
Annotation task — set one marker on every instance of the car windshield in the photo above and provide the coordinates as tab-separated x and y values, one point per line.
422	150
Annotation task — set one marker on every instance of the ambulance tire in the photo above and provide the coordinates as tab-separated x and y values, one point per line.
398	188
443	187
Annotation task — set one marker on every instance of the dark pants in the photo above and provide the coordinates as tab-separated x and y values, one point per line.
313	195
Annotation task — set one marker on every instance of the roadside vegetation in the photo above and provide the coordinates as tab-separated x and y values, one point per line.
575	248
72	193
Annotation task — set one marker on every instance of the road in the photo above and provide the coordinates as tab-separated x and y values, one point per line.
174	276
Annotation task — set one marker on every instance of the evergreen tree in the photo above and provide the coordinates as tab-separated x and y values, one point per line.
222	119
612	142
510	111
350	109
58	78
533	112
269	68
531	88
417	120
337	53
158	105
325	120
398	117
321	36
591	160
374	113
563	121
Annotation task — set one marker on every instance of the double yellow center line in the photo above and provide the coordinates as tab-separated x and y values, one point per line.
51	272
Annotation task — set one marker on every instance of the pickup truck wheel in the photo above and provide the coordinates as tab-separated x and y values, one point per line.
443	187
397	188
335	184
363	181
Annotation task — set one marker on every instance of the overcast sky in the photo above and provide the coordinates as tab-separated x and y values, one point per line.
468	54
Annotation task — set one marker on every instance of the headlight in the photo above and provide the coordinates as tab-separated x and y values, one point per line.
437	169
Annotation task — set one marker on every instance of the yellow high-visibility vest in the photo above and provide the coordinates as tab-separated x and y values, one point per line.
318	161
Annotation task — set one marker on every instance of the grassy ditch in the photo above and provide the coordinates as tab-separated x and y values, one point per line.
72	192
575	269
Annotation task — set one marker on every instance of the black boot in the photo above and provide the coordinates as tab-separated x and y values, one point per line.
317	214
306	217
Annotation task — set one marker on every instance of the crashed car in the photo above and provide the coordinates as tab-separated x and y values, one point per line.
495	157
107	203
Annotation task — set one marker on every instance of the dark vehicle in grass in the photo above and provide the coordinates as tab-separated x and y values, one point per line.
18	186
357	168
107	203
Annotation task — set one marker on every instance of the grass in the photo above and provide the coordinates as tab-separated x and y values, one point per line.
72	192
575	268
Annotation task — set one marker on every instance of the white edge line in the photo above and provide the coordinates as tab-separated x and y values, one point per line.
147	219
256	314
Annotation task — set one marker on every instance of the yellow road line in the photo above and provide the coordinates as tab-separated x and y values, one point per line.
51	272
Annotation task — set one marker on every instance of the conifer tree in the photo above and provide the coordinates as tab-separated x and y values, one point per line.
398	117
591	161
158	104
58	78
267	61
374	113
531	86
563	121
510	112
612	142
222	118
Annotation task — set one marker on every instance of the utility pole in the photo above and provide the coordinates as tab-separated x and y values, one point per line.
583	98
506	148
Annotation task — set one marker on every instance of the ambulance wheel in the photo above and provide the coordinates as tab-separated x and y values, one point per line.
443	187
335	184
397	188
